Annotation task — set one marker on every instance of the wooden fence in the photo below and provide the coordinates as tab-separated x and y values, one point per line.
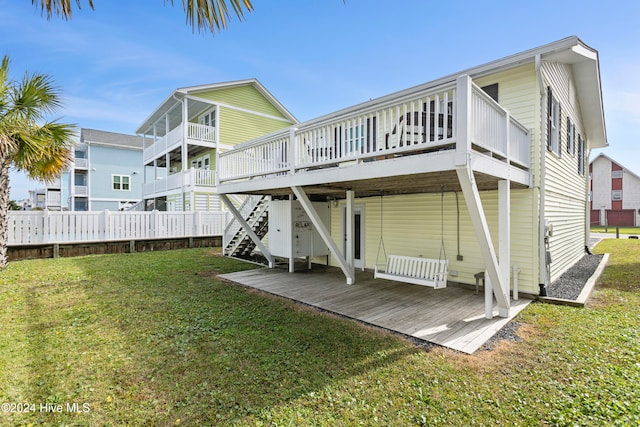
42	227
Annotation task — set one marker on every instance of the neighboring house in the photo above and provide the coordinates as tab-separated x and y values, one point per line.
49	197
615	193
106	172
485	168
183	136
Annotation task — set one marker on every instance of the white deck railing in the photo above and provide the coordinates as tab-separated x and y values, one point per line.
187	179
80	190
40	227
195	132
200	132
80	163
420	122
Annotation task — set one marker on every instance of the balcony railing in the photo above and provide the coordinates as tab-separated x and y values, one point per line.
420	122
186	179
80	190
53	198
196	133
80	163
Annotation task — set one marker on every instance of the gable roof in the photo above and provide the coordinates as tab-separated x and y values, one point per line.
571	50
617	163
181	93
101	137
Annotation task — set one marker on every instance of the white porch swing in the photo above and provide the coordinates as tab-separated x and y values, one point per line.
415	270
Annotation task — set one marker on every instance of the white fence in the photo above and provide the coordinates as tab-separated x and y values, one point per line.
40	227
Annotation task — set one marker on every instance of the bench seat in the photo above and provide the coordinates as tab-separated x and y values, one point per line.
415	270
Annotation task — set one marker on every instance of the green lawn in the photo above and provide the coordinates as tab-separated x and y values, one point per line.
155	339
612	229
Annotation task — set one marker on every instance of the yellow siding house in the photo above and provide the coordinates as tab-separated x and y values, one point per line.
485	168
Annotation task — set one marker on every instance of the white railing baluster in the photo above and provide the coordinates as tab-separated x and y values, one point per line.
401	125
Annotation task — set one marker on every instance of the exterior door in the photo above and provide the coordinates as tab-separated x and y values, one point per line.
358	235
622	218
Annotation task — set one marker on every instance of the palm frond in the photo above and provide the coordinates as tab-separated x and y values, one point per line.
35	97
44	152
213	15
60	8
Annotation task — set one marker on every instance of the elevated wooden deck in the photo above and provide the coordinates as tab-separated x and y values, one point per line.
452	317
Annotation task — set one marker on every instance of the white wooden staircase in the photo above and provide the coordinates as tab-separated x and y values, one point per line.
237	242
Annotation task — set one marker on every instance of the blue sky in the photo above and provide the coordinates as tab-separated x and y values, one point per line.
114	65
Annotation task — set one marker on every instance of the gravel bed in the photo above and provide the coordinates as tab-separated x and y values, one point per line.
571	283
509	332
568	286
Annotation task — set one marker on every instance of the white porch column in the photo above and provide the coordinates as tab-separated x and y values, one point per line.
247	228
479	220
463	128
292	248
185	130
349	249
504	237
324	234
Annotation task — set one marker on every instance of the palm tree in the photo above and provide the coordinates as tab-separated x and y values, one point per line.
208	15
28	142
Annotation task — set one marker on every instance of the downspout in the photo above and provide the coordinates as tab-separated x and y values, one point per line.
542	253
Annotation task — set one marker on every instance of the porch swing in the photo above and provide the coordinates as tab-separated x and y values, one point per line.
415	270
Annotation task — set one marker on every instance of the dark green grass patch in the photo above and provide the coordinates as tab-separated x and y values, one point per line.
157	339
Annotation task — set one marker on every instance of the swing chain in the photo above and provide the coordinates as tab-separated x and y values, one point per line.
381	243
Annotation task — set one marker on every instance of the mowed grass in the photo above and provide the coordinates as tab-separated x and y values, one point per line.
612	229
156	339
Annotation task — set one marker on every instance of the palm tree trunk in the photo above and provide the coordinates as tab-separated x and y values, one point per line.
4	212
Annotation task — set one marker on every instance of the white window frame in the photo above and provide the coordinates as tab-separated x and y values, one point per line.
202	162
555	126
581	155
121	183
208	118
616	174
571	137
616	195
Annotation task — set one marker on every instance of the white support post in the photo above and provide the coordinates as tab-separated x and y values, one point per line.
292	237
463	119
324	234
476	212
247	228
185	131
504	237
488	296
349	244
292	150
515	271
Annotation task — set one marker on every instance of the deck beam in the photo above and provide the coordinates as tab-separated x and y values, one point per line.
324	234
481	227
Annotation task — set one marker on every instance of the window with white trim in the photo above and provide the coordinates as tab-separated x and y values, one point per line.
616	174
571	137
121	182
208	118
554	122
203	162
616	195
580	155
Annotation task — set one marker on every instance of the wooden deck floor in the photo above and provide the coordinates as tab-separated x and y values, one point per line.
452	317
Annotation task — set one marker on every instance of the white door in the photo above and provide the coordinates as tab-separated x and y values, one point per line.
358	235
